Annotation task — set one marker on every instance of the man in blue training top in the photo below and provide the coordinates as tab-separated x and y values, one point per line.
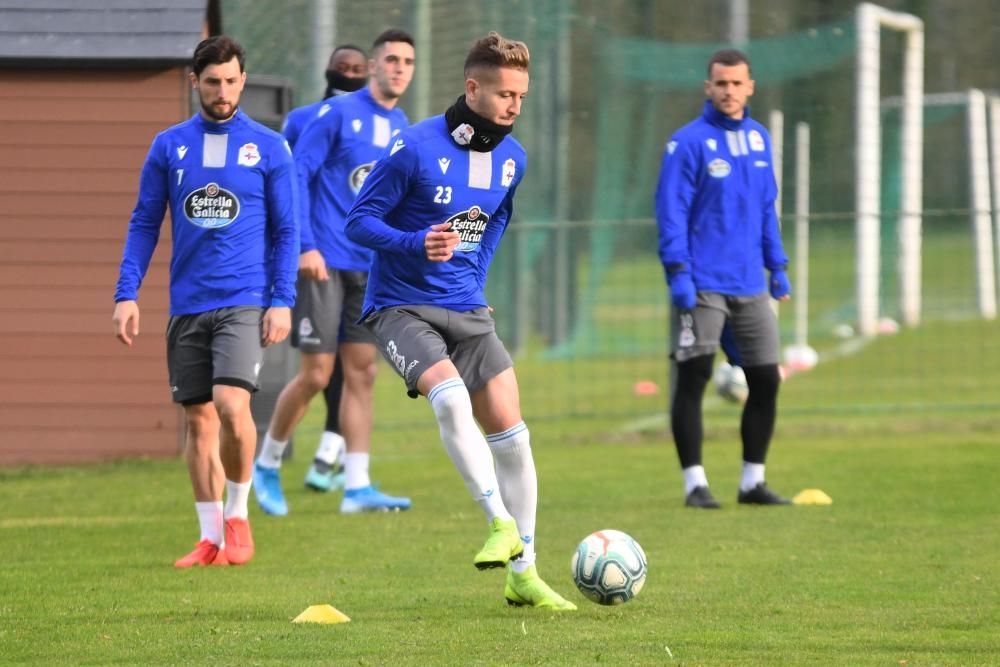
346	72
718	233
333	156
434	209
230	186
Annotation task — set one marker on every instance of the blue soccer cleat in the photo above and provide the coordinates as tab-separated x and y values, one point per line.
267	488
370	499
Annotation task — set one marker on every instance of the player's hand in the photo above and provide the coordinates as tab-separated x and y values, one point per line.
276	325
682	291
440	244
313	266
126	320
779	286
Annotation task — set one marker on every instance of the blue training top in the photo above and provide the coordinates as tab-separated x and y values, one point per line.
231	191
715	204
427	178
333	156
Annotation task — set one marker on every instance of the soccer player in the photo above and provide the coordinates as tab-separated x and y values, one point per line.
346	72
333	156
718	232
434	209
230	186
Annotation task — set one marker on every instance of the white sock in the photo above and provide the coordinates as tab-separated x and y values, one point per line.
330	447
753	474
518	485
271	452
210	520
466	445
356	470
694	476
236	499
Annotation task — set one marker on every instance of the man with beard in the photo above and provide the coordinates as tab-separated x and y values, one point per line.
333	156
434	209
230	186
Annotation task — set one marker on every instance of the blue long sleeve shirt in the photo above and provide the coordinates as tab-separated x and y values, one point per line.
715	204
297	120
427	178
333	156
231	192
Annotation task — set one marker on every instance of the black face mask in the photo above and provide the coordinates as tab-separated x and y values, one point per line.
470	129
338	84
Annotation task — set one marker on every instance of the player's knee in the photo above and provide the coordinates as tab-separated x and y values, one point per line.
763	381
314	379
696	372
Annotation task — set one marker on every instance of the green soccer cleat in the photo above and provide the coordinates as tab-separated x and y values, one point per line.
528	590
503	545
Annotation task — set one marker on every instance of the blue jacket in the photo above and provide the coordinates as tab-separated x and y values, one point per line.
297	120
333	156
715	204
231	191
427	178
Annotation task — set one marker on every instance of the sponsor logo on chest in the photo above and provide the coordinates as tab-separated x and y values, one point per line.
211	207
470	225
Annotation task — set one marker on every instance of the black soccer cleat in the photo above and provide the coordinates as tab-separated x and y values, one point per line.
701	497
761	495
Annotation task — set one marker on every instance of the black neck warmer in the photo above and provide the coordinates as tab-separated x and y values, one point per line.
470	129
337	83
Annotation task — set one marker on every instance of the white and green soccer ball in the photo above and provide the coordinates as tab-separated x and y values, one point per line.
609	567
731	383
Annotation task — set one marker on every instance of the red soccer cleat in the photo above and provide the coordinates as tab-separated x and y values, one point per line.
239	541
205	552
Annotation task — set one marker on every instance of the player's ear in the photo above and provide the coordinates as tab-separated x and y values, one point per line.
471	88
193	78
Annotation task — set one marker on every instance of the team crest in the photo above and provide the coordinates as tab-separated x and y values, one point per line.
463	134
305	327
248	155
756	141
509	169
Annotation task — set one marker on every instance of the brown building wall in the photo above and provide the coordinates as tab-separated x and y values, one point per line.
72	143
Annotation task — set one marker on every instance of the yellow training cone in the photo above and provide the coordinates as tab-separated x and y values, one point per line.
321	613
812	497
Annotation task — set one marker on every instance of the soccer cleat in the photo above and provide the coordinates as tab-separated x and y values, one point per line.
761	495
503	545
205	552
331	480
701	497
526	589
370	499
267	488
239	542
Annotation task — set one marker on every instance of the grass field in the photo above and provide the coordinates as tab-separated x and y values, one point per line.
901	569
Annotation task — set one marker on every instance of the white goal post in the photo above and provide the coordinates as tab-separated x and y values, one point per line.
870	20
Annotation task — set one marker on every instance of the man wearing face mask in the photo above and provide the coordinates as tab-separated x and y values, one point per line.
346	72
434	209
333	156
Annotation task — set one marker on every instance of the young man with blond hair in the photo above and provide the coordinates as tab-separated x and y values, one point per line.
434	209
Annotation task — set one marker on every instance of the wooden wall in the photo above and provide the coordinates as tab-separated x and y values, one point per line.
72	143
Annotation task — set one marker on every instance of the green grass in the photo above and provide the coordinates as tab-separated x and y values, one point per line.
901	569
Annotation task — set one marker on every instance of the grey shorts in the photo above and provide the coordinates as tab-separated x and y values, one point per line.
753	323
414	338
215	347
327	311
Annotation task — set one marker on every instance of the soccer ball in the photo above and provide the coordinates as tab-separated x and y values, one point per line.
609	567
731	383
